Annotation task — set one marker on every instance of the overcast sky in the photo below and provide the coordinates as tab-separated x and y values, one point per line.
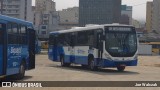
139	6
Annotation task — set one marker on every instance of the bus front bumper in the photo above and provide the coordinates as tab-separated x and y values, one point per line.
111	63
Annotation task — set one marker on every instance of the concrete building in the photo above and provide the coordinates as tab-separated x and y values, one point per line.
46	18
69	18
99	11
126	15
156	16
136	23
149	10
21	9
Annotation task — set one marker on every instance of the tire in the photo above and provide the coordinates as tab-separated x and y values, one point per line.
92	66
21	73
120	68
63	64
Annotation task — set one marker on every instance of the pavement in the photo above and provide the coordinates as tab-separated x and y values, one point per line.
148	69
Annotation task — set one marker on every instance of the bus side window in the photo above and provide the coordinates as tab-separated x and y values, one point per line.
12	33
23	35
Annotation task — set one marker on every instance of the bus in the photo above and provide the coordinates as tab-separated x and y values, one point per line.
44	44
95	46
155	47
17	47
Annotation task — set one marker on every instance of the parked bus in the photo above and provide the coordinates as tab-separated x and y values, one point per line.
44	44
155	47
17	47
98	46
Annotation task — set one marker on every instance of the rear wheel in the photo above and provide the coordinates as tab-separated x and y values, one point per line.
63	63
21	73
120	68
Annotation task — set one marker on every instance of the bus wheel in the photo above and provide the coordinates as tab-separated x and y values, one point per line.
92	65
63	63
21	73
120	68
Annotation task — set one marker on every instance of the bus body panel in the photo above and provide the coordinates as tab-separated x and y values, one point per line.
16	53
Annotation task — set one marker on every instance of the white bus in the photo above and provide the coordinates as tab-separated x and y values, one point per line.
96	46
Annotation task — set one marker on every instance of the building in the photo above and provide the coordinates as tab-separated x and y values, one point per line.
156	16
99	11
149	10
126	15
136	23
69	18
21	9
46	18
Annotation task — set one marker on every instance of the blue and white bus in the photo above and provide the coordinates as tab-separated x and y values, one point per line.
17	47
95	46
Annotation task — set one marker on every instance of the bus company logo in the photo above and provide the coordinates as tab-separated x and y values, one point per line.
16	50
80	51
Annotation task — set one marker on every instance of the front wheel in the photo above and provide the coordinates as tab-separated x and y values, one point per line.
120	68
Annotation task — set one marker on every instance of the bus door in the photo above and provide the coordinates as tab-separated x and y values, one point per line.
72	47
3	50
31	43
99	44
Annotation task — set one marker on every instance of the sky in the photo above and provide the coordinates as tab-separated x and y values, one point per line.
139	6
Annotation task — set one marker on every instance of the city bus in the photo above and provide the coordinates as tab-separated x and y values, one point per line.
17	47
95	46
155	47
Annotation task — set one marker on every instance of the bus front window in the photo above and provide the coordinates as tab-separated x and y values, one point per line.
121	43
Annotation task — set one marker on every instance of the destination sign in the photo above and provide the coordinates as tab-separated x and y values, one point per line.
120	29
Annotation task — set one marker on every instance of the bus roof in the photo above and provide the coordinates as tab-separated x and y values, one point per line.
89	27
11	19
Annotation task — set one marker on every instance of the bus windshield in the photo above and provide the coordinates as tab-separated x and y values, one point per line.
121	42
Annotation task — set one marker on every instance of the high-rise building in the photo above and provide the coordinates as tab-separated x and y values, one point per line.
126	15
46	18
149	10
69	17
99	11
156	16
21	9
